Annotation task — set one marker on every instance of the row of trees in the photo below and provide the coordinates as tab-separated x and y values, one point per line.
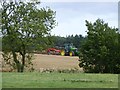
77	40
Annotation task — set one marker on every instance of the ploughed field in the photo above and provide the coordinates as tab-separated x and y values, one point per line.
43	62
55	62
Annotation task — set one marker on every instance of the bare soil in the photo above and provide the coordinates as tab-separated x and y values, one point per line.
55	62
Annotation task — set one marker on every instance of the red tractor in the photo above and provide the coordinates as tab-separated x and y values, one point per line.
53	51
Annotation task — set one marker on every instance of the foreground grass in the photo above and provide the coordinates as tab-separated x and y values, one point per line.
59	80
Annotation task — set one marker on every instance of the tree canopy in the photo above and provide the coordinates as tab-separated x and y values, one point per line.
101	50
77	40
23	24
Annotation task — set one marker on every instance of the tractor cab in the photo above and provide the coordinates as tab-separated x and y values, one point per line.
69	49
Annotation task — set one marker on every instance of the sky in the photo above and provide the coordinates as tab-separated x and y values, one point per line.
71	16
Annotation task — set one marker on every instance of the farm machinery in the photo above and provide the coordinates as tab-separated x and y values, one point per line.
67	49
54	51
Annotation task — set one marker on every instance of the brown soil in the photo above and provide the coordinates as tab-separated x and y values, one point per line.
55	62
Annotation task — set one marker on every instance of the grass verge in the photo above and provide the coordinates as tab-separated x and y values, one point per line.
58	80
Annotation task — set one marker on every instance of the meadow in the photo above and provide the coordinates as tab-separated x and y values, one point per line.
58	80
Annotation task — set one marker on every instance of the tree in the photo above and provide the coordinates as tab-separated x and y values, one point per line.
101	50
77	40
23	24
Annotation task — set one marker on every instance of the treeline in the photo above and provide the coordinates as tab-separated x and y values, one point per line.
53	41
77	40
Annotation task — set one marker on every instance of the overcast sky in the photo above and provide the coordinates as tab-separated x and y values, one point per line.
71	16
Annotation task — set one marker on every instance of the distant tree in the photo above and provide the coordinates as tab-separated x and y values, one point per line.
101	50
69	39
77	40
23	25
59	41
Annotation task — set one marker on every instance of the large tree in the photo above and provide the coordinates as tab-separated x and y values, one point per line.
23	24
101	51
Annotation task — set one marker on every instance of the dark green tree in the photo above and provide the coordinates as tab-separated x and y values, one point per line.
23	25
101	50
77	40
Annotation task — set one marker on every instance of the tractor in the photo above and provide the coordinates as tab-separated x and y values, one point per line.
69	50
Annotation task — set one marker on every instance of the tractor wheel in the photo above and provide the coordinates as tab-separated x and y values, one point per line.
71	53
62	53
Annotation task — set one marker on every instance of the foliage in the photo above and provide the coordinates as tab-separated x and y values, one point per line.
77	40
23	25
101	50
58	40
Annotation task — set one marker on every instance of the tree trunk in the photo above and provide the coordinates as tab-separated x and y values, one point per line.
23	62
23	58
16	61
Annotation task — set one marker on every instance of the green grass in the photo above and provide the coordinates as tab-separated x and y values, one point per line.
59	80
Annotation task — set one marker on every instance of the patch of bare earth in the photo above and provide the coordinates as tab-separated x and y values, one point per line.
55	62
42	62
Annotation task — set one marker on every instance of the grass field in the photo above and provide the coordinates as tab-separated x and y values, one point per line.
58	80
